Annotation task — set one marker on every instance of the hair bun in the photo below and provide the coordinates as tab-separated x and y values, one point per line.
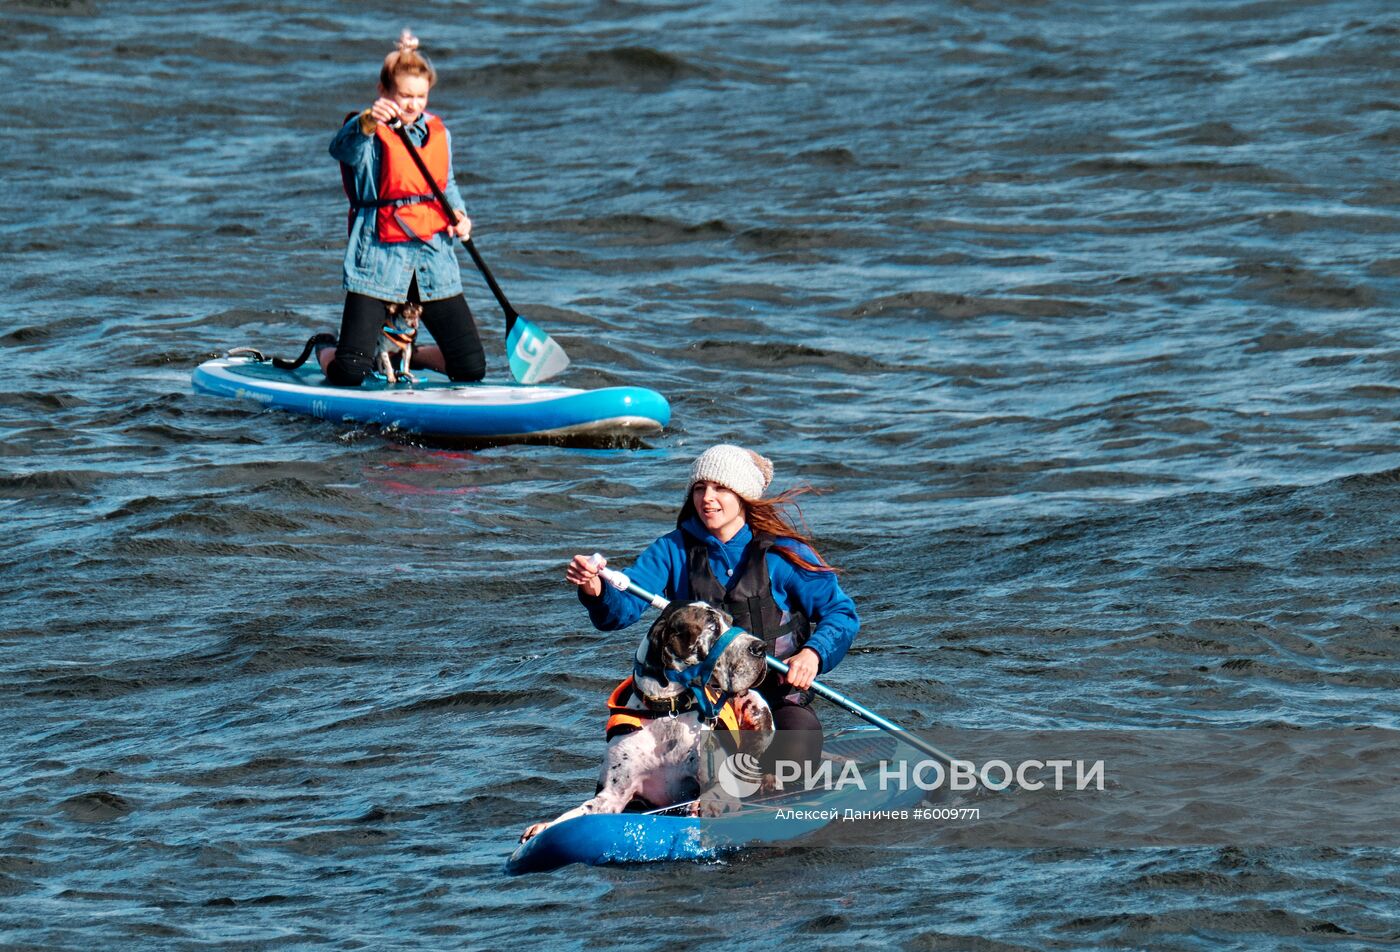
407	41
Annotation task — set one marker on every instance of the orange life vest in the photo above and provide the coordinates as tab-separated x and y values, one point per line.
409	210
620	715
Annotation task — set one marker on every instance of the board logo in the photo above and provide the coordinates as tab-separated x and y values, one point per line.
740	775
528	347
534	356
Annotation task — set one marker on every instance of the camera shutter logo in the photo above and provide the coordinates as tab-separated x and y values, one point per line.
739	775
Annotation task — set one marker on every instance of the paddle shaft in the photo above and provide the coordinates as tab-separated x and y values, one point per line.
620	581
867	715
451	213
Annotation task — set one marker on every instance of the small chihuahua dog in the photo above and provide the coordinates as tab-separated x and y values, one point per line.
400	330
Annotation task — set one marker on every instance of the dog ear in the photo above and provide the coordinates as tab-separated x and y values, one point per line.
702	626
675	633
656	646
681	645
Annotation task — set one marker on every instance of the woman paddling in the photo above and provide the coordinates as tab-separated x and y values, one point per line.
401	244
738	550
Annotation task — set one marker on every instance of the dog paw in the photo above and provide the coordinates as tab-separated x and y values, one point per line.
714	806
531	830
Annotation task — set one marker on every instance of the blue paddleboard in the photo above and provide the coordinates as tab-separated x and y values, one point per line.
607	838
435	406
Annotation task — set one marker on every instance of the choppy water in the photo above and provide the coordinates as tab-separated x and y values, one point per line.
1082	311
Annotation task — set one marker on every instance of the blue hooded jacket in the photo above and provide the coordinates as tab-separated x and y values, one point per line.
661	568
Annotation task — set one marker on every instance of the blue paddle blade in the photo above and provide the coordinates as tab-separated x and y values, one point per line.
533	354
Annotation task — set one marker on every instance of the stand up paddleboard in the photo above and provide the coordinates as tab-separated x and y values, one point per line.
618	838
435	406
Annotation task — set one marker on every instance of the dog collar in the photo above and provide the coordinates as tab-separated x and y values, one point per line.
659	707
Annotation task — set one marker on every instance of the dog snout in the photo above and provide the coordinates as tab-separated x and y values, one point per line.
742	666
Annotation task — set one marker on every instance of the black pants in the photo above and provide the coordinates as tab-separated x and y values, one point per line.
799	731
449	321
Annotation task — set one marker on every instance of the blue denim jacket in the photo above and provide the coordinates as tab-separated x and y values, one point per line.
384	270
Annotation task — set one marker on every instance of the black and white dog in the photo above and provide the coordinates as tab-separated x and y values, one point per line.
667	759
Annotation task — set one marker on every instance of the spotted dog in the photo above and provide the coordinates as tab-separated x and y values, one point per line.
659	736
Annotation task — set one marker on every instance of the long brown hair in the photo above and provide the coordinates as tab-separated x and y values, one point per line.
771	516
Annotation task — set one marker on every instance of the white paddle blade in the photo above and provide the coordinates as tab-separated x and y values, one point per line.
533	354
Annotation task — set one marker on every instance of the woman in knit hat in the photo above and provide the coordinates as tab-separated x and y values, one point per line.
737	549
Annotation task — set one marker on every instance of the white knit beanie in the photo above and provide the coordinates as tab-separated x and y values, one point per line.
733	467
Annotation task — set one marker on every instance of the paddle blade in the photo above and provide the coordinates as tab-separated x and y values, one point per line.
533	354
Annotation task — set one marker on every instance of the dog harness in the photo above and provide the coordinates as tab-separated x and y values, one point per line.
407	208
399	335
712	705
628	710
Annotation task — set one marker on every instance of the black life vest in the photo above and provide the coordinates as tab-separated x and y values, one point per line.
749	596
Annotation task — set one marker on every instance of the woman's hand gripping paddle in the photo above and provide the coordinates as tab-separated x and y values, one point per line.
533	355
621	582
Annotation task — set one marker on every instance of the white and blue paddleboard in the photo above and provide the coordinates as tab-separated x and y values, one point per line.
435	406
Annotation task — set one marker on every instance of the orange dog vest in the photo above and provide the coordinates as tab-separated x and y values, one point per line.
620	715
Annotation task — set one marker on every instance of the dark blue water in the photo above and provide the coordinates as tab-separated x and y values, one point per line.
1081	312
